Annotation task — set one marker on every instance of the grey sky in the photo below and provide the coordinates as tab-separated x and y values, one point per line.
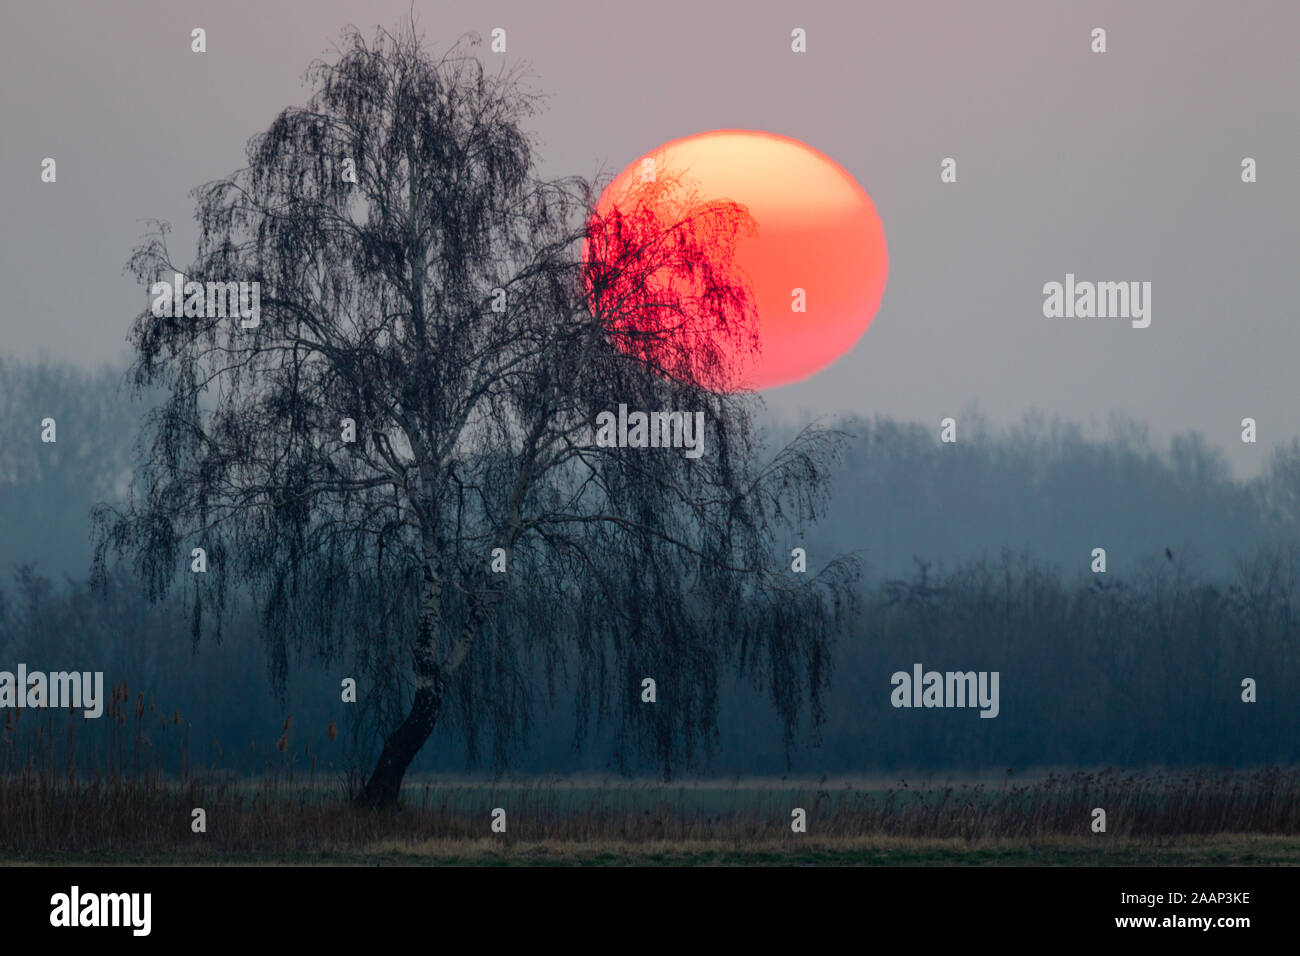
1122	166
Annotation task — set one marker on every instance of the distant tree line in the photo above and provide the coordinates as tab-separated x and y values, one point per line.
1145	670
977	557
1044	488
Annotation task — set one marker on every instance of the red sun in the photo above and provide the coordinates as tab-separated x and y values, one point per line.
816	231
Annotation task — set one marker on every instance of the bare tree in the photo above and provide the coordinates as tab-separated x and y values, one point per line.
444	303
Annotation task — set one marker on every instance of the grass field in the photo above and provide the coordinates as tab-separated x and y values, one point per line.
1225	850
1153	818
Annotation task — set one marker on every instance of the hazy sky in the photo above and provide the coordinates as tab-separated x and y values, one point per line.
1118	166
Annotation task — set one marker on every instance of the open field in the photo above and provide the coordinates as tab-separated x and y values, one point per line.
1225	850
1195	818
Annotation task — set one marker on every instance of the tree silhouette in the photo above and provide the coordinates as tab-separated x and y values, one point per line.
444	303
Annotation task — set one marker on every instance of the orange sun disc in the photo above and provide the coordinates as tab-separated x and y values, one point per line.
816	264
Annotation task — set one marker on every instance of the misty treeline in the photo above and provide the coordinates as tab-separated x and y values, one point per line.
977	556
